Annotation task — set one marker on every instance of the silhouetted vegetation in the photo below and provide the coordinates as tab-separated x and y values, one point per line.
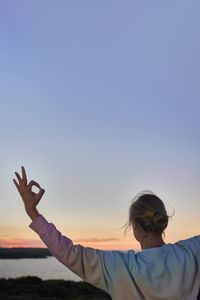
34	288
24	253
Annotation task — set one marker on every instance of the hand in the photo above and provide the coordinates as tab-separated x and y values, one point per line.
29	198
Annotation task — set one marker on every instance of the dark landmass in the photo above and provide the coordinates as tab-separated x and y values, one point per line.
34	288
9	253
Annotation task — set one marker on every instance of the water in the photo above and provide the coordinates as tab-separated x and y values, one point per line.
45	268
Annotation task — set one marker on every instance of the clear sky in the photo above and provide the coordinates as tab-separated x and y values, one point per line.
99	101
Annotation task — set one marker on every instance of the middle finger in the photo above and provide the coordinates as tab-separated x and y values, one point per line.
24	174
18	177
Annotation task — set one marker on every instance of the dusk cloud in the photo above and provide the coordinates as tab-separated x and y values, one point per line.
95	240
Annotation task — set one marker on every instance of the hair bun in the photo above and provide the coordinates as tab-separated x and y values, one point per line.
157	215
160	221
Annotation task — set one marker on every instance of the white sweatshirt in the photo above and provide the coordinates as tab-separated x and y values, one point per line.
171	271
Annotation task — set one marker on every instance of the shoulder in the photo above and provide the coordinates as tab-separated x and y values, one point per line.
189	245
195	240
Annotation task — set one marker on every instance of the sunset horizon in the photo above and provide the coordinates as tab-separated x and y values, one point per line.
99	101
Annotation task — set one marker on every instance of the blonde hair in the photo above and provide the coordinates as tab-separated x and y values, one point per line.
149	211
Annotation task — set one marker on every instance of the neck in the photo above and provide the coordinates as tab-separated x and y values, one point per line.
151	241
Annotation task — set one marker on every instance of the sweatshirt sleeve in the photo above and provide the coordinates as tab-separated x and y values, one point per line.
86	262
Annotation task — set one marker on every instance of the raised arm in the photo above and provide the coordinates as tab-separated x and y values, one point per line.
88	263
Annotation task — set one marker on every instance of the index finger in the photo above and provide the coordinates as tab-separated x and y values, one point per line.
33	183
24	174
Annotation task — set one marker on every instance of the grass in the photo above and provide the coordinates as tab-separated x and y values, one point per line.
34	288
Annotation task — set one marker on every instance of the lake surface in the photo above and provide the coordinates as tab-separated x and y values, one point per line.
45	268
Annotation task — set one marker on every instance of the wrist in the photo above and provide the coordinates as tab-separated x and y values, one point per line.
32	213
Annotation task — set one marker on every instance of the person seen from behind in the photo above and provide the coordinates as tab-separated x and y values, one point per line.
158	271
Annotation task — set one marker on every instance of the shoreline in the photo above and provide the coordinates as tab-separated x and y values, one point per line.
17	253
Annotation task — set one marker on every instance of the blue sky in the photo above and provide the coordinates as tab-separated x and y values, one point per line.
100	100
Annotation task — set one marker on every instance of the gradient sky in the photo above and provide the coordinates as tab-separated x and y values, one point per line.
99	101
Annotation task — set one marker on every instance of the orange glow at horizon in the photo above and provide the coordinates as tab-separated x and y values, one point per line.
108	243
103	244
21	243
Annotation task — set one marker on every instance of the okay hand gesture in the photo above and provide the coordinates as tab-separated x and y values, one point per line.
29	198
